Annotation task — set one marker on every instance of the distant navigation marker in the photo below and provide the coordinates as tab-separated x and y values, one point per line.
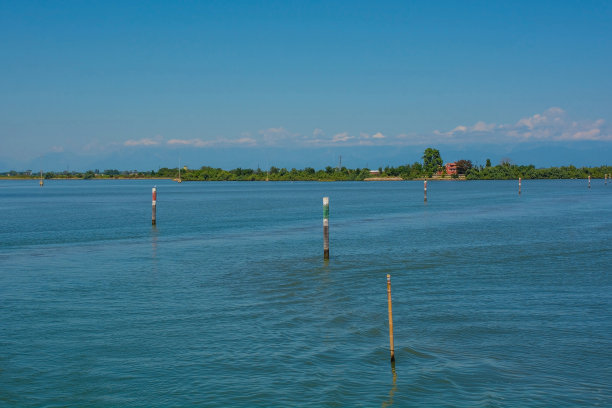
154	205
325	228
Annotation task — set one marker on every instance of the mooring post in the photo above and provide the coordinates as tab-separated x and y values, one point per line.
519	186
589	181
325	228
390	318
606	179
154	204
425	190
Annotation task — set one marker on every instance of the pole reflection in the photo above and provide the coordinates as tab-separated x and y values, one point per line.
389	401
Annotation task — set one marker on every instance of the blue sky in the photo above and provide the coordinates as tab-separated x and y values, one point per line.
293	83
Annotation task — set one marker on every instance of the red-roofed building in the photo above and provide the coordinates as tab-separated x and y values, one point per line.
451	168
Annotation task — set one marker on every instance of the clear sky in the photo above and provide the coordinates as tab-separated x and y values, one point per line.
86	84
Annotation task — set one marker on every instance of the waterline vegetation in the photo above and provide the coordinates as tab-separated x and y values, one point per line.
431	168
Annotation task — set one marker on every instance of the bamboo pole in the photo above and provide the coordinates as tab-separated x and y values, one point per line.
390	318
326	228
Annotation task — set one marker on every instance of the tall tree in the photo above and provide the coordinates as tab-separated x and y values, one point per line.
431	160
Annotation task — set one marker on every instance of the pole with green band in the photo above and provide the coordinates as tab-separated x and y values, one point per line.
326	228
154	204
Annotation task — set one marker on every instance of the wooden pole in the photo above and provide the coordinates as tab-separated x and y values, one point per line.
41	183
589	181
519	186
326	228
154	204
390	318
425	190
606	179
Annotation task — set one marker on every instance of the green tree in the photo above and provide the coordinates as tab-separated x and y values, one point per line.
431	160
488	163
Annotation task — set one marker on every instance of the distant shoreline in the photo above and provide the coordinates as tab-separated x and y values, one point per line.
383	179
370	179
82	178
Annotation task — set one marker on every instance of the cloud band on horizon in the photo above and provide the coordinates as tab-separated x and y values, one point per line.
551	125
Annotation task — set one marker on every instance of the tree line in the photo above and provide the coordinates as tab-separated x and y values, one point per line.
431	166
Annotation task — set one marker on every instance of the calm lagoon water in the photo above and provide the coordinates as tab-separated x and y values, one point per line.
498	300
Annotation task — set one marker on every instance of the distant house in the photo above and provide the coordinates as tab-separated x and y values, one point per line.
374	173
449	168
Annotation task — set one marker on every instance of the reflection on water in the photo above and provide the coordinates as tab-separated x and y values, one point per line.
154	238
389	401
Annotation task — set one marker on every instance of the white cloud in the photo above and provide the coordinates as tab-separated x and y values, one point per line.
459	129
143	142
57	149
550	125
483	127
212	143
242	141
592	134
553	124
184	142
341	137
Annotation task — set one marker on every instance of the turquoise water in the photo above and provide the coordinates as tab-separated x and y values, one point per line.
498	300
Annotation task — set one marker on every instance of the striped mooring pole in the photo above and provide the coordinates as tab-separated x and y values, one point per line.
425	190
519	186
154	204
390	318
606	179
589	181
326	228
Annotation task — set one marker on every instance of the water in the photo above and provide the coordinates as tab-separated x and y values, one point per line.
498	300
